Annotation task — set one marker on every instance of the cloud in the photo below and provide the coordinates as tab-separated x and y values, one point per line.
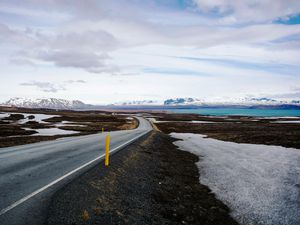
238	11
22	61
95	29
88	40
292	95
87	50
14	37
276	68
27	13
295	88
237	41
75	81
175	71
52	87
45	86
142	33
90	61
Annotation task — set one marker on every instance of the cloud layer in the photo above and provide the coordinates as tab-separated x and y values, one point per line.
223	39
237	11
51	87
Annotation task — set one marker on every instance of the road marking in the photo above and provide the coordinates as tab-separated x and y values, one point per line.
24	199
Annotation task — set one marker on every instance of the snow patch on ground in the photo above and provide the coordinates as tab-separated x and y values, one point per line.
51	132
198	121
3	115
183	121
260	183
287	121
37	117
153	120
69	123
279	117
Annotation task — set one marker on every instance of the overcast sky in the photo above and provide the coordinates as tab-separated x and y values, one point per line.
110	51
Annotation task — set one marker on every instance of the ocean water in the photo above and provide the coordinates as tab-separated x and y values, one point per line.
240	112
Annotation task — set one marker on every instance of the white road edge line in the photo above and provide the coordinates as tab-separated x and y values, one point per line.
24	199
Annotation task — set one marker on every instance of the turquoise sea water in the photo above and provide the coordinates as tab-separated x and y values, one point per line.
240	112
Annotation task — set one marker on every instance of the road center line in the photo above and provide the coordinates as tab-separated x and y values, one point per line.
24	199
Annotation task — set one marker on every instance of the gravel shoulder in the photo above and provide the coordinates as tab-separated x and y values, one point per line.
148	182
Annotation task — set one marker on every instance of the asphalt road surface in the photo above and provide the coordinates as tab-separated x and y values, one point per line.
30	174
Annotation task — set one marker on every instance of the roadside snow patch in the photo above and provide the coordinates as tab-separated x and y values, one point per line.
260	183
51	132
287	121
153	120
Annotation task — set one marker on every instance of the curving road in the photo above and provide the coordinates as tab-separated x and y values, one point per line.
29	174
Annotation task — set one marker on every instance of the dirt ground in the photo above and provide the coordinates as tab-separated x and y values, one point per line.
149	182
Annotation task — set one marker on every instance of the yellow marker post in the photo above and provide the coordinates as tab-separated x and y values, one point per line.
107	150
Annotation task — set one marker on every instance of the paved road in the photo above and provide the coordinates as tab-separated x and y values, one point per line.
29	174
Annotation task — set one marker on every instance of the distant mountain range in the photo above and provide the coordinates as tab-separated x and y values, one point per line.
138	102
183	101
50	103
54	103
230	101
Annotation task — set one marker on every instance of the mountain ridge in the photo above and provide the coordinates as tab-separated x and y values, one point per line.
56	103
230	101
51	103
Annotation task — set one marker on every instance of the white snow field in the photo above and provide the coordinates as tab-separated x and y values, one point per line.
51	131
153	120
37	117
287	121
260	183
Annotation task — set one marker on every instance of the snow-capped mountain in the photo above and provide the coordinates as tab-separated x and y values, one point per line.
260	101
228	101
51	103
248	101
184	101
54	103
138	102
